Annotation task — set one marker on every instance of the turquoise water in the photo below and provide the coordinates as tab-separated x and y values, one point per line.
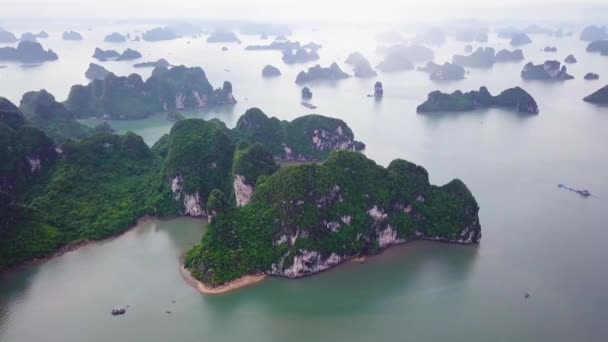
536	237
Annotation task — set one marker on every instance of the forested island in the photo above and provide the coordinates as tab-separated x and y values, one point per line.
129	97
307	218
55	195
513	98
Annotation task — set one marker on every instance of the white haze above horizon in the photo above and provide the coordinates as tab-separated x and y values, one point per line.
307	10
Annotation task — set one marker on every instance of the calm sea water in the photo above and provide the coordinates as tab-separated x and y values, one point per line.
536	237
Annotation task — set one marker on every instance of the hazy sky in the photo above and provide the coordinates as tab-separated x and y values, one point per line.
287	10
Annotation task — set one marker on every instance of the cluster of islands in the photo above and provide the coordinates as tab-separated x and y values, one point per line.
63	183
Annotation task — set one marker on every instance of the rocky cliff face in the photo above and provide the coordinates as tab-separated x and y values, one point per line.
312	217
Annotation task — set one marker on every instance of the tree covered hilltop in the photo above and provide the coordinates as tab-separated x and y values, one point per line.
56	194
307	218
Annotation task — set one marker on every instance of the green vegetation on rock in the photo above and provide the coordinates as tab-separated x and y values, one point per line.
120	97
513	98
306	218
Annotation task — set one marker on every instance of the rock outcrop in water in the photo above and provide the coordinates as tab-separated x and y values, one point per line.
598	97
312	217
113	55
276	45
158	34
378	90
509	56
300	56
550	49
177	88
318	73
115	37
306	93
361	66
447	72
223	37
481	58
570	59
33	37
592	76
515	99
520	39
270	71
71	35
7	37
96	71
159	63
550	70
27	52
593	33
600	46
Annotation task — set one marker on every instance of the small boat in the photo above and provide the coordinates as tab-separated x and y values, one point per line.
119	311
584	192
308	105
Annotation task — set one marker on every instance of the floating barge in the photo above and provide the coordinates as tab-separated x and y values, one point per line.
584	193
308	105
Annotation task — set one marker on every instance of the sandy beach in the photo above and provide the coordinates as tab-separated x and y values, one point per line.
243	281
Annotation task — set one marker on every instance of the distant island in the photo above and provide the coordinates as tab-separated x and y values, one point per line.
270	71
276	45
112	55
71	35
167	89
361	66
27	52
520	39
592	76
223	37
115	37
445	72
487	57
515	99
598	97
300	56
33	37
570	59
159	34
7	37
318	73
550	70
159	63
593	33
600	46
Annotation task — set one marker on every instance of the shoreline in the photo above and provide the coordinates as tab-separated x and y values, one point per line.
244	281
74	246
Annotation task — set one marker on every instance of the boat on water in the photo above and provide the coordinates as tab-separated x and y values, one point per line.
584	192
308	105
